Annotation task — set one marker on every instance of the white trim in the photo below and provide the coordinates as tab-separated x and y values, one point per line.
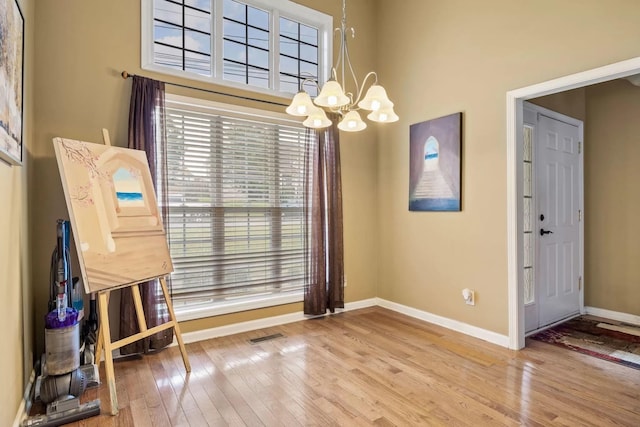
465	328
515	100
21	414
363	303
146	33
192	312
515	292
237	328
276	8
25	405
267	322
613	315
213	107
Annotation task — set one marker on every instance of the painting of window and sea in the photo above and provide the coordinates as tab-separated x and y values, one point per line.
434	164
117	227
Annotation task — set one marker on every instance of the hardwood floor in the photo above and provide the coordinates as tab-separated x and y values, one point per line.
369	367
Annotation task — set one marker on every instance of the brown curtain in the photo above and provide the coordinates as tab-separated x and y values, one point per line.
147	132
324	287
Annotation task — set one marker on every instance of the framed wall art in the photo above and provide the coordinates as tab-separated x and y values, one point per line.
11	76
435	164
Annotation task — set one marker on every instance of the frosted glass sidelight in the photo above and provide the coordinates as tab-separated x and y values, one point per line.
528	250
528	183
528	216
527	145
529	294
528	220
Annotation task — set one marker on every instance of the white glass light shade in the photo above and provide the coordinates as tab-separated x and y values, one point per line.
317	119
332	95
375	99
352	122
383	115
301	105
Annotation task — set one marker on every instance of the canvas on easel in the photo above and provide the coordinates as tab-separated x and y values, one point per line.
120	239
117	227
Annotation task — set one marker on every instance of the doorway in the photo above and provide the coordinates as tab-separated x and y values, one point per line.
552	237
515	111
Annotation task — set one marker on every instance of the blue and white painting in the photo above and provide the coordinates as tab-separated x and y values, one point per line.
434	164
128	190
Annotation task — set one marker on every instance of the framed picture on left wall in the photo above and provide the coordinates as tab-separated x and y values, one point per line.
11	76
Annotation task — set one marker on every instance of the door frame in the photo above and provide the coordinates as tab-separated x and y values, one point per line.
579	124
515	100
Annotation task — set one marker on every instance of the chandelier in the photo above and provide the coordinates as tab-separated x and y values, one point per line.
334	98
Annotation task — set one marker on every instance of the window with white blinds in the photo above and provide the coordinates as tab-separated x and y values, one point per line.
235	204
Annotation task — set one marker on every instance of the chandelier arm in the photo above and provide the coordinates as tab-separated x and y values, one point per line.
364	84
337	110
309	80
352	71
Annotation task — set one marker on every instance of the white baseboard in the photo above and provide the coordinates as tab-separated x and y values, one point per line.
357	305
613	315
253	325
236	328
483	334
21	414
25	405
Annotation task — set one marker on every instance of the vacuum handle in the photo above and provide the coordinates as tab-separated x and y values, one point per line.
93	313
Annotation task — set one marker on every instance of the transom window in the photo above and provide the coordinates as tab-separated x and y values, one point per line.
298	55
182	35
269	45
246	44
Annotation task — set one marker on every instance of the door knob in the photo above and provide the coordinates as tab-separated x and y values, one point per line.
543	232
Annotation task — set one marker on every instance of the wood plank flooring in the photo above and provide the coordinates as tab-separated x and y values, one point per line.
369	367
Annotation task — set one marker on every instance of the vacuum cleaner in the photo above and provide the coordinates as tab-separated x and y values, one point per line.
63	379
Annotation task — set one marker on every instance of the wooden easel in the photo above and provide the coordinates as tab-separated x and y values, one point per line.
104	333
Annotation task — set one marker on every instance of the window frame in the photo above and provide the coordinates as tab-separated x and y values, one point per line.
276	8
198	311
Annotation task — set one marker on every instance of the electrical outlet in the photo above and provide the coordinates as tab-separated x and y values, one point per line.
469	296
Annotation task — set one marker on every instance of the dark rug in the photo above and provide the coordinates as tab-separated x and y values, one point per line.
605	339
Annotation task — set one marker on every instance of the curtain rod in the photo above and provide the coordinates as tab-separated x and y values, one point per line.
126	75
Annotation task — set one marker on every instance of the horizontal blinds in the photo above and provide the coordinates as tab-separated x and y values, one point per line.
235	197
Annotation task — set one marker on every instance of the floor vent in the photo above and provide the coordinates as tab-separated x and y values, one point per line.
265	338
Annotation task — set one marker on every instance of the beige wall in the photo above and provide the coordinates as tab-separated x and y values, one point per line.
16	357
82	46
612	200
438	57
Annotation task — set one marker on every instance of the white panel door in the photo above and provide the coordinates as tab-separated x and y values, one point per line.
558	228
